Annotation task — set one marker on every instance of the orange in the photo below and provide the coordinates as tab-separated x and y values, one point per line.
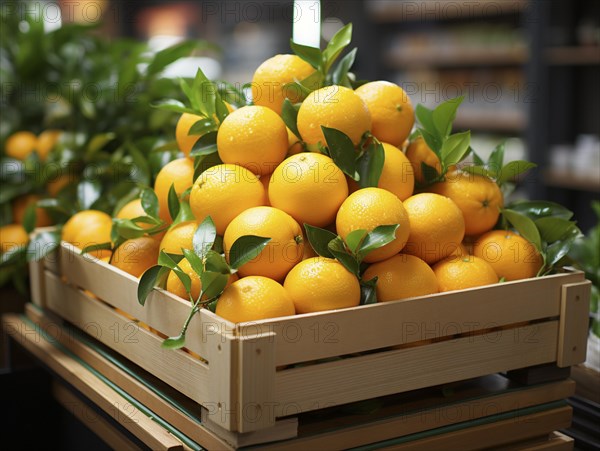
437	226
11	236
397	175
391	111
478	197
265	180
19	145
270	80
319	283
369	208
135	256
463	272
56	184
185	141
511	255
254	137
179	236
175	286
46	142
402	276
180	173
80	223
133	209
334	107
419	152
280	254
254	298
223	192
19	207
309	187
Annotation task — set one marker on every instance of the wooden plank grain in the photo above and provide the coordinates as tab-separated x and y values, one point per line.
176	368
574	317
314	387
335	333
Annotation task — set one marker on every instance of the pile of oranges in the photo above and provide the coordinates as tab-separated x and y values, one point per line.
270	183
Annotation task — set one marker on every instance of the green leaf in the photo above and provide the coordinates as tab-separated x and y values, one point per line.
30	218
149	202
88	192
340	73
560	248
185	213
206	145
433	141
98	142
496	160
289	114
377	238
478	170
455	148
319	240
425	117
204	162
444	115
553	229
169	55
96	247
127	229
141	168
216	262
370	165
152	277
513	169
173	202
245	248
204	237
177	342
430	174
368	292
311	55
169	260
336	46
203	126
541	209
173	105
525	226
15	255
341	151
213	283
354	239
194	260
42	244
336	247
477	160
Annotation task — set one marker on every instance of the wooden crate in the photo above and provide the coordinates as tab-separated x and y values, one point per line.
258	376
481	413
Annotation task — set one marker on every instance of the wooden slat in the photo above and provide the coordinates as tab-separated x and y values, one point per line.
37	282
256	379
418	415
102	428
131	385
90	386
493	434
176	368
553	442
340	332
163	311
316	386
574	317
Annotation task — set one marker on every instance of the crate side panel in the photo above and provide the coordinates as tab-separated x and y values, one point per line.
328	334
163	311
574	318
353	379
176	368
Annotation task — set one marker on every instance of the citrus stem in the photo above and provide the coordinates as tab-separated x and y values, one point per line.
195	309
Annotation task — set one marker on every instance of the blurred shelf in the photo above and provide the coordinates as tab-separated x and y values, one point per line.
434	10
498	121
456	58
573	56
561	178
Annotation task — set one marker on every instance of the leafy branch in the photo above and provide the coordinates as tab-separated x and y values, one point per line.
210	265
352	251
